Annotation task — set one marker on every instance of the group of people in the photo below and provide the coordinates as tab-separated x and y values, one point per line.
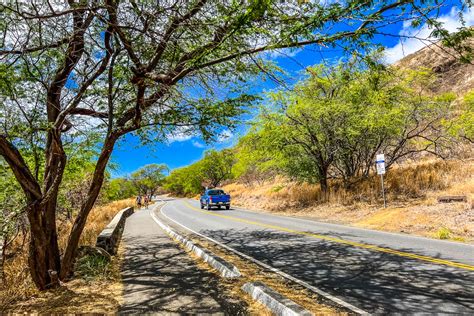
142	200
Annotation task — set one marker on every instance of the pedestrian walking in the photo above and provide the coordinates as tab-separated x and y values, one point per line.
139	201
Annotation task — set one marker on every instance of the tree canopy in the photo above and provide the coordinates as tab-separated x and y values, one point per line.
214	168
148	178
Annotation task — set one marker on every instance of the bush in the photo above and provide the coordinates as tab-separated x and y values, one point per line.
93	266
443	233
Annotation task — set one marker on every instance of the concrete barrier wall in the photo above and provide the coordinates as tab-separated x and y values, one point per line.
109	238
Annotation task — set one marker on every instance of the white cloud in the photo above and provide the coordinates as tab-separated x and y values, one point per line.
283	52
224	136
408	44
198	144
185	134
180	135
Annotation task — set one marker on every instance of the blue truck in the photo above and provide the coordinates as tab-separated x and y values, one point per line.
215	197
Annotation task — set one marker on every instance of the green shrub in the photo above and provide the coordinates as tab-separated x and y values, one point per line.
93	267
443	233
277	188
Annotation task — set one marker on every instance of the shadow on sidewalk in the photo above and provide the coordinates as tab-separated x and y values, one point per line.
158	276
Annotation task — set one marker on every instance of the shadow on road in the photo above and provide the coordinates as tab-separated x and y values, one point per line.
375	281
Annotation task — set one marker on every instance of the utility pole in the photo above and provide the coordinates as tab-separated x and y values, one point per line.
383	193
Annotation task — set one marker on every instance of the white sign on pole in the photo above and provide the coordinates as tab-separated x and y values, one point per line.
380	163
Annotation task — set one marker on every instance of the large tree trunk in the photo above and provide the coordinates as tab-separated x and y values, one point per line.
323	182
80	222
44	257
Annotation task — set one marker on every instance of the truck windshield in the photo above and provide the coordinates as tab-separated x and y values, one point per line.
215	192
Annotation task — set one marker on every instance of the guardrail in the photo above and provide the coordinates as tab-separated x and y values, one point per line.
109	238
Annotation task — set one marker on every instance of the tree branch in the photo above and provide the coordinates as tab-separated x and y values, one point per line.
177	21
34	49
88	112
20	169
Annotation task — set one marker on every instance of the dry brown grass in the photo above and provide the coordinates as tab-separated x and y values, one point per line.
18	293
412	191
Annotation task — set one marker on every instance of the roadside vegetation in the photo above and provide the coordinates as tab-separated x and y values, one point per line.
412	190
144	181
97	284
311	152
214	168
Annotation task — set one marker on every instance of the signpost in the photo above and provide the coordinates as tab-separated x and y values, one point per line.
380	163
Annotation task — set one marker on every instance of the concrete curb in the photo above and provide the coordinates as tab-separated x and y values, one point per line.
109	238
331	298
278	304
226	269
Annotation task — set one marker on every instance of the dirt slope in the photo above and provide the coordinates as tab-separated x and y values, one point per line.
452	75
412	191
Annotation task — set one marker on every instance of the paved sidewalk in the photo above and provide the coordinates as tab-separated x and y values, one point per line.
159	276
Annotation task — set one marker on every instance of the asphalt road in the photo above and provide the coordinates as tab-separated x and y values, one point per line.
374	271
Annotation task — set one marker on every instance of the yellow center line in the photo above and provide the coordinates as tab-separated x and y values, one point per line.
341	241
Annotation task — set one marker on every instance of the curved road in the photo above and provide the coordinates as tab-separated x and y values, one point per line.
375	271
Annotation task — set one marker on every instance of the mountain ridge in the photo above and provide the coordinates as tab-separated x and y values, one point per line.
452	75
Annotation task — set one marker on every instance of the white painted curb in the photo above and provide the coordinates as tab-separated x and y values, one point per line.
278	304
332	298
226	269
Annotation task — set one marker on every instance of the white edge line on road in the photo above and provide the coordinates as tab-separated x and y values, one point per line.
225	269
266	266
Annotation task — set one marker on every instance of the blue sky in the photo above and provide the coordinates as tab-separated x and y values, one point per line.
130	155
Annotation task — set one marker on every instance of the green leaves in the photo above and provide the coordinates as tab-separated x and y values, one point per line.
460	42
185	181
463	125
214	168
334	123
148	178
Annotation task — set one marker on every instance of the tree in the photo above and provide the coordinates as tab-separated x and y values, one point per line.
119	188
117	67
13	220
463	126
259	153
210	171
333	124
216	166
148	178
185	181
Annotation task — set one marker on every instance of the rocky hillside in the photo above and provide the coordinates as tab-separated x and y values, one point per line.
452	75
